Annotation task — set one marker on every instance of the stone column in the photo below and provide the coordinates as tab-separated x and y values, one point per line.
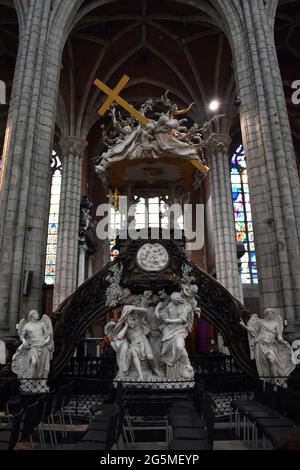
82	262
217	145
26	178
273	179
90	265
69	216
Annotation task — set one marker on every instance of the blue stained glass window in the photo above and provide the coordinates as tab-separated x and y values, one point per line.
53	220
242	215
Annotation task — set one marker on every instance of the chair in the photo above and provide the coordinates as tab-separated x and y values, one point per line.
186	444
261	424
49	404
81	446
209	407
56	410
103	417
9	435
67	398
241	408
32	417
109	434
276	434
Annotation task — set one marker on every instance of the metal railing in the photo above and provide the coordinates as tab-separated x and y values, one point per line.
105	366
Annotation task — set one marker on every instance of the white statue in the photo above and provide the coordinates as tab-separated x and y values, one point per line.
32	358
177	321
149	338
189	289
133	349
272	354
127	298
2	352
161	137
188	292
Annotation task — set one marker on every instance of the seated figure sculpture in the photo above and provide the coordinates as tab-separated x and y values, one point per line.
31	361
131	344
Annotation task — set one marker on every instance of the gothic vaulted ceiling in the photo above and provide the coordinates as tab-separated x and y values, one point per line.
160	44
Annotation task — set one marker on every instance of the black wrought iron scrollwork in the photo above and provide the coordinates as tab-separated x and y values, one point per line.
88	304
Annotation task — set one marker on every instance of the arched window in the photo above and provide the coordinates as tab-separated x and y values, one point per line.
53	220
2	92
242	215
149	212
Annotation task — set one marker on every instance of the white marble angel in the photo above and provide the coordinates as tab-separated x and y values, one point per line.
129	340
32	358
272	354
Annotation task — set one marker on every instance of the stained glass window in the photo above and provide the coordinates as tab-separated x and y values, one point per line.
53	220
243	216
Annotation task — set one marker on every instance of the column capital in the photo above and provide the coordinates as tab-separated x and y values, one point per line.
83	248
72	145
217	142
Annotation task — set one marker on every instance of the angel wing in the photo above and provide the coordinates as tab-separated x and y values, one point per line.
48	324
253	327
190	319
253	322
279	321
49	330
21	325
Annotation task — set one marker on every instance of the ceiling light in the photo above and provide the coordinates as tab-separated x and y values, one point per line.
214	105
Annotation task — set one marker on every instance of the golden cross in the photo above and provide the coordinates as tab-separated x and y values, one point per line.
200	166
113	95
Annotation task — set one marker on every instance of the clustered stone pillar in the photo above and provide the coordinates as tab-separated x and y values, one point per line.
69	215
26	177
273	179
227	271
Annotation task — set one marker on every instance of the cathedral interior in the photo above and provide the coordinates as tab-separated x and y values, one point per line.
149	224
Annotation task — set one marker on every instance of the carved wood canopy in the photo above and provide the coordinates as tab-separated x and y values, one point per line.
151	174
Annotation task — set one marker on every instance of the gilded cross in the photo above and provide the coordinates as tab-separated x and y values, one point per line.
113	95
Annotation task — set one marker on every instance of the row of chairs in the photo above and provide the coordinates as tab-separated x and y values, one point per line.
106	429
273	414
37	414
191	423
